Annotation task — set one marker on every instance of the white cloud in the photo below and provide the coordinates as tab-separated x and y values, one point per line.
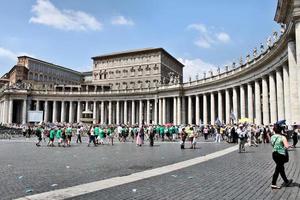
208	37
223	37
121	20
10	55
47	14
194	67
8	59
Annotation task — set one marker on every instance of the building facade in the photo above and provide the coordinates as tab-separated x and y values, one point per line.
146	86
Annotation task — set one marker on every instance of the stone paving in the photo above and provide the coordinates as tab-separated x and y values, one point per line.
24	166
233	176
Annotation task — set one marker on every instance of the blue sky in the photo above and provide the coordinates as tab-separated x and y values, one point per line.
203	34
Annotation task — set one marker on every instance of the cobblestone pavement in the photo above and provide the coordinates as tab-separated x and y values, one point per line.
233	176
24	166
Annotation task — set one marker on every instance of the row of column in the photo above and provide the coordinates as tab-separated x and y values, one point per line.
264	101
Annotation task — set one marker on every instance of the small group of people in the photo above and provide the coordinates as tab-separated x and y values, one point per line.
63	135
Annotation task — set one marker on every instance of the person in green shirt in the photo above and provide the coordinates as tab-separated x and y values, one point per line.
280	154
51	137
101	135
58	136
97	133
162	132
69	135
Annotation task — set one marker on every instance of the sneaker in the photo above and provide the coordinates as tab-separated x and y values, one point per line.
287	184
275	187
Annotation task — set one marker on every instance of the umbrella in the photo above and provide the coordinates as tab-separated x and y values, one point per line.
244	120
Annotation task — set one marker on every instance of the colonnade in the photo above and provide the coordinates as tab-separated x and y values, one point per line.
263	100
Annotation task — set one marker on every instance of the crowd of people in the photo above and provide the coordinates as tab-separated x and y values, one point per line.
244	134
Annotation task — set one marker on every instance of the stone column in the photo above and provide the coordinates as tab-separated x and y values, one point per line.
257	103
293	76
63	112
78	112
71	114
160	111
205	109
54	117
190	111
197	110
140	112
227	106
46	111
235	103
86	106
148	111
133	112
242	101
250	102
183	107
265	102
24	112
286	86
273	103
37	105
155	111
95	112
125	112
212	108
5	112
163	110
279	89
109	112
174	110
118	112
179	110
102	113
10	111
220	106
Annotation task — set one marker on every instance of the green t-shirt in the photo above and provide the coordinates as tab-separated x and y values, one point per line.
69	131
96	131
277	143
101	133
108	131
52	134
58	134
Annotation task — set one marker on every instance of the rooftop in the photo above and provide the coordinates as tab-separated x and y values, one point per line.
134	51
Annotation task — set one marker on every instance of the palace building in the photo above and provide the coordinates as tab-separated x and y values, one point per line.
146	85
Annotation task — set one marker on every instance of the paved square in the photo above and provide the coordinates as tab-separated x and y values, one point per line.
233	176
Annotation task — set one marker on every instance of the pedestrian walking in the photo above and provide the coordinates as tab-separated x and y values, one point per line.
280	154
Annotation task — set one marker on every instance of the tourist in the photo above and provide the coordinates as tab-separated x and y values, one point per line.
205	133
280	154
139	138
78	134
38	133
295	136
51	137
151	135
101	136
69	135
63	137
218	135
242	138
91	134
110	134
183	136
59	136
